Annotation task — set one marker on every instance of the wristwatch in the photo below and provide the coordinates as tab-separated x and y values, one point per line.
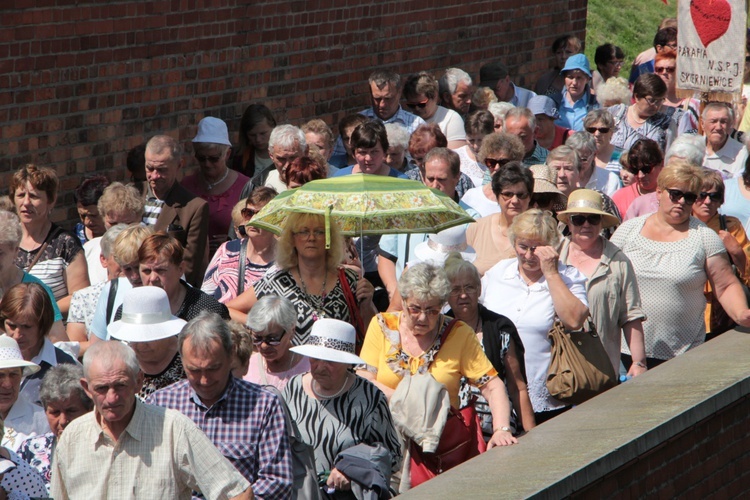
504	429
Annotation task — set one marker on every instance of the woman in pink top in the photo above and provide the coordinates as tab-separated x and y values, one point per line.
271	322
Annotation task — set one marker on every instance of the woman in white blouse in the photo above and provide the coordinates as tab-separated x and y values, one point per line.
532	290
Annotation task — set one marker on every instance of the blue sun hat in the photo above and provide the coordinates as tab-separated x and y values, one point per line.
577	61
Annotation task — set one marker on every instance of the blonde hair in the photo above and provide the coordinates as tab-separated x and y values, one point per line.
535	224
237	219
455	265
614	91
483	97
286	253
118	198
129	241
681	172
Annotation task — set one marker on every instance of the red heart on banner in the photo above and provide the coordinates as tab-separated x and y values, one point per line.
710	18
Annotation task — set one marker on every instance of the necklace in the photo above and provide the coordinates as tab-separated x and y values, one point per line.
211	185
634	116
338	393
316	301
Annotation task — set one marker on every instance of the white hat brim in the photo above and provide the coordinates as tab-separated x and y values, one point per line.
427	254
327	354
134	332
27	367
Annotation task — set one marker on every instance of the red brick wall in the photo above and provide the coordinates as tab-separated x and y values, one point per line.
708	460
81	84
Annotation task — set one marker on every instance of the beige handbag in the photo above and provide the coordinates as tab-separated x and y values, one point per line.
579	367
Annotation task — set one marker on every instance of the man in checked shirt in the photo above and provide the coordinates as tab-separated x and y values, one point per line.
245	422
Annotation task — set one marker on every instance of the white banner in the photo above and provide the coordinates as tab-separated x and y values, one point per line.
711	48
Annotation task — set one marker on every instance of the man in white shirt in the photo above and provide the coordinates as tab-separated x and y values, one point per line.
723	154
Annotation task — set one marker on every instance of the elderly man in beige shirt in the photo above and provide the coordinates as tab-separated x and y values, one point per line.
128	449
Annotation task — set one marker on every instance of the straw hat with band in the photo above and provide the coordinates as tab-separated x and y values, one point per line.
331	340
545	181
146	316
11	357
587	201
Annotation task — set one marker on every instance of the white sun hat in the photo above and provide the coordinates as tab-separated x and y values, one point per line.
11	357
331	340
146	316
212	130
438	246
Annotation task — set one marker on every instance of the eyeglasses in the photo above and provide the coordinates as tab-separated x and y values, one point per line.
543	200
664	70
457	291
525	248
508	195
418	105
715	197
306	233
601	130
495	163
592	219
675	195
211	159
616	62
651	101
271	340
646	169
417	311
248	213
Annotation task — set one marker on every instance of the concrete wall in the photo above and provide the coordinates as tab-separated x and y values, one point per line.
678	431
82	82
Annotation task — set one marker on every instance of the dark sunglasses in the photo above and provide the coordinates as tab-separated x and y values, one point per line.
249	213
271	340
592	219
211	159
646	169
543	200
601	130
715	197
417	105
668	70
508	195
493	163
675	195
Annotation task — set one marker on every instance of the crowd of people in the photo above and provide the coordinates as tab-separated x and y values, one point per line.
167	344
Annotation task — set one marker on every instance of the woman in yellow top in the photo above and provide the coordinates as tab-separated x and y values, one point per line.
410	341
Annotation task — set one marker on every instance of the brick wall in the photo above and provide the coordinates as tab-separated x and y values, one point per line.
708	460
81	84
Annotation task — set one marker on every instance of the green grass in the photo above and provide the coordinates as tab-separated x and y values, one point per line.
629	24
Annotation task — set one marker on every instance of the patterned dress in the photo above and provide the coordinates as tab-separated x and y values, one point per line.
37	451
171	374
330	426
309	308
222	276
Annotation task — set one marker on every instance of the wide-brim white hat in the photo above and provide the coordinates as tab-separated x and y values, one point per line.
146	316
11	357
331	340
438	246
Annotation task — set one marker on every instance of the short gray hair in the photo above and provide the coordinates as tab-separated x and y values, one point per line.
61	382
448	156
108	239
107	354
614	89
535	224
500	109
718	106
455	265
287	136
204	329
519	113
582	141
599	115
383	77
564	153
397	135
424	281
272	310
159	143
10	228
691	147
451	78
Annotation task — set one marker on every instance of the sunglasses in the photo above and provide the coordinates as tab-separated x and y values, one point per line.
271	340
601	130
494	163
417	105
675	195
249	213
667	70
210	159
417	311
508	195
592	219
715	197
543	200
645	169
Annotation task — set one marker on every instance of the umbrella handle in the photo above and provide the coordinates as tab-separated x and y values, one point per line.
328	226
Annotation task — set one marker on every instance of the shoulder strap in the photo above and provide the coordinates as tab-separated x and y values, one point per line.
243	258
111	298
52	231
723	222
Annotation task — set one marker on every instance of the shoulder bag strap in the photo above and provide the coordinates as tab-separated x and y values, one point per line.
53	230
243	258
111	298
723	222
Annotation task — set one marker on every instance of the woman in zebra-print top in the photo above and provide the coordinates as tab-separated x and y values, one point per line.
333	408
